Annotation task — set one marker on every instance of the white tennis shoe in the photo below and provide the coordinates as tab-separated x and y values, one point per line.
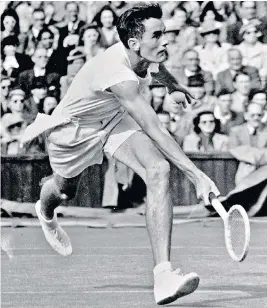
54	234
170	285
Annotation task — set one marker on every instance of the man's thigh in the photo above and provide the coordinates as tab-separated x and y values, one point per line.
139	153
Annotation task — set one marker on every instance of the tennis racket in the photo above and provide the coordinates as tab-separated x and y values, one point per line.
236	229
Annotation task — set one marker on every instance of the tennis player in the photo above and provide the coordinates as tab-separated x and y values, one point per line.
104	111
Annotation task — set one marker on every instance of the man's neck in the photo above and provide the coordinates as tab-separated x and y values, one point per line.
138	64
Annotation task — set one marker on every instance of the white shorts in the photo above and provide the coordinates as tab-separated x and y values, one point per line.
73	148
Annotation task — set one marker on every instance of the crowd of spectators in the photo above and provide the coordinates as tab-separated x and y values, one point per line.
218	50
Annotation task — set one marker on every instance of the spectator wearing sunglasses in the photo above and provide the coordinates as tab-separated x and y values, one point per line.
206	137
254	52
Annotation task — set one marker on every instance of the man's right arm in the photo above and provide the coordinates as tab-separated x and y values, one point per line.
130	98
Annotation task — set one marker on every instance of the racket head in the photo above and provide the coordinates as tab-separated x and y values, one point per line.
237	233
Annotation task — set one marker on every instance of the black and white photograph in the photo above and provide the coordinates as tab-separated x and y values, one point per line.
133	154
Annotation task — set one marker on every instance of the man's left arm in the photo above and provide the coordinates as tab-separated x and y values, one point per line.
166	78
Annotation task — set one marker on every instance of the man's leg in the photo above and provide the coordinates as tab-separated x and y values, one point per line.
140	154
54	191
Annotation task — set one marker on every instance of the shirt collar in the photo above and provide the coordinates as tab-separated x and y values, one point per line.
251	129
73	26
188	73
218	115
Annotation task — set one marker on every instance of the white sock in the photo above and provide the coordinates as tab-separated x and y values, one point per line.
162	267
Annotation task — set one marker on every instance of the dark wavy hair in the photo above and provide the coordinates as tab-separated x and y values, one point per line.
197	120
10	12
97	17
130	23
210	7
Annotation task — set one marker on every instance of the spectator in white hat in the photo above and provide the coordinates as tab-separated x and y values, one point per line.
254	52
212	53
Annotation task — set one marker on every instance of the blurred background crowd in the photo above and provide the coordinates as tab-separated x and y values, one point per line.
218	50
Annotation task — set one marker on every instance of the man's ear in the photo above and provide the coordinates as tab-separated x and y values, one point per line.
134	44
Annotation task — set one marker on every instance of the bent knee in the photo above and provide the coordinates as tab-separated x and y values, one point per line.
159	170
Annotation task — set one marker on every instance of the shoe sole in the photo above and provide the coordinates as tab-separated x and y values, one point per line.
186	288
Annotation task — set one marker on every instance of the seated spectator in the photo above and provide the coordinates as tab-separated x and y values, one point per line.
226	10
9	23
158	93
55	63
187	36
76	60
212	53
38	24
13	126
34	103
90	38
13	63
180	120
203	101
223	112
263	78
225	78
248	13
175	53
242	86
5	87
260	97
247	138
191	68
40	59
211	14
206	136
254	52
106	20
50	11
49	104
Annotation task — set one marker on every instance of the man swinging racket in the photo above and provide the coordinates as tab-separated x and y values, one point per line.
103	111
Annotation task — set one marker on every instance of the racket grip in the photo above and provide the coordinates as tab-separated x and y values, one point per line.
212	196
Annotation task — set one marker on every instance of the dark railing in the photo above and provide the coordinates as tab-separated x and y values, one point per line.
21	178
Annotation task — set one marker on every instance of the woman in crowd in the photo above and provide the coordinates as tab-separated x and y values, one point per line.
90	38
13	63
254	52
9	23
106	20
212	53
205	137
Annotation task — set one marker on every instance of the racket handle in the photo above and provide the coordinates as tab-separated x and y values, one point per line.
217	205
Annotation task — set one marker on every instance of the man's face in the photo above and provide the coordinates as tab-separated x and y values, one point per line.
254	115
248	9
49	104
242	84
47	40
197	92
38	20
180	18
164	119
235	60
153	42
72	12
5	86
260	98
207	123
224	102
191	61
16	103
40	58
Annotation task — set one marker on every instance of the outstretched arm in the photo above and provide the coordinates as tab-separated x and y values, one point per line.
166	78
128	94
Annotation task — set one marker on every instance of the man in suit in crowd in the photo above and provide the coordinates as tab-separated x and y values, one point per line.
248	141
223	112
242	86
225	78
248	11
40	59
69	34
191	68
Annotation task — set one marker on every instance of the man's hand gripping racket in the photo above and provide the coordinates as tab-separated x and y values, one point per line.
236	228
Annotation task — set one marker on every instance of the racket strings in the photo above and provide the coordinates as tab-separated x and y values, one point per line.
237	231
